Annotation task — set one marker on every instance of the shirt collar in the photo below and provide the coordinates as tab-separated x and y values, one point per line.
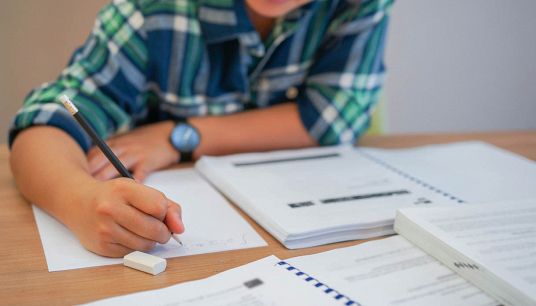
225	20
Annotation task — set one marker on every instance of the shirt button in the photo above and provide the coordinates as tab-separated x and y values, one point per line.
260	53
292	93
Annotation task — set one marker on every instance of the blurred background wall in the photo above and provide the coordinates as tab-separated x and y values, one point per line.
453	65
459	65
37	38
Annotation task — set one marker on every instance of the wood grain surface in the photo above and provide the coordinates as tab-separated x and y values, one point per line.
24	278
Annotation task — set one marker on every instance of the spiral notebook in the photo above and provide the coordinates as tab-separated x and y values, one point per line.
268	281
316	196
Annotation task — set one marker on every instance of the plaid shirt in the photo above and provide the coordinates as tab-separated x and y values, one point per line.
147	61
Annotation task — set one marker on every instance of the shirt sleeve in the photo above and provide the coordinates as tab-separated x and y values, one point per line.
105	79
345	80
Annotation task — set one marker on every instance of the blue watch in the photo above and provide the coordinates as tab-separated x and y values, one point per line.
185	138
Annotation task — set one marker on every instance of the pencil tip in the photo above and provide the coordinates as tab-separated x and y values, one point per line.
176	238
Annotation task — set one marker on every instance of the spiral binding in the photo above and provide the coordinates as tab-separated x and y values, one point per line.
411	178
308	278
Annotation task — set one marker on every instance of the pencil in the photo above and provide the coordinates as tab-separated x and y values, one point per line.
123	171
96	139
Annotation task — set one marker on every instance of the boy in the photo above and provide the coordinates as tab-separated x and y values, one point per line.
173	80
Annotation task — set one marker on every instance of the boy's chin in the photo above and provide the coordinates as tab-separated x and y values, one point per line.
274	8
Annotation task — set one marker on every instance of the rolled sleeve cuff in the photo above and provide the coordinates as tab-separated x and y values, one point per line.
50	114
326	123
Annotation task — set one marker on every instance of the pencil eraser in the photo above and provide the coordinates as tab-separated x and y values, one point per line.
68	104
145	262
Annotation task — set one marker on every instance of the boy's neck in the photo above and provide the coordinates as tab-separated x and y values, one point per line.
262	24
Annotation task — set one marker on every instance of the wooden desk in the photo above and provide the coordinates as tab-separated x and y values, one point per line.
24	278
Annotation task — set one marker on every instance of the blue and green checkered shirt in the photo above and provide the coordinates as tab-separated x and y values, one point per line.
152	60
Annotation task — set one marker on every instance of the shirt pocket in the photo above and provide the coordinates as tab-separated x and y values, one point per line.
279	85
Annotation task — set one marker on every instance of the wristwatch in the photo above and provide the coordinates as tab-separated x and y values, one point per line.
185	138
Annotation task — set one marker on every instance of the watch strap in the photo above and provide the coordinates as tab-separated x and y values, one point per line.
186	156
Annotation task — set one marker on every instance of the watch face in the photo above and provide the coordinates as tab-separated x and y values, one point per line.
185	138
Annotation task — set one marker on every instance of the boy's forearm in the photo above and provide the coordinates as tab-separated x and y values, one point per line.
110	218
277	127
49	168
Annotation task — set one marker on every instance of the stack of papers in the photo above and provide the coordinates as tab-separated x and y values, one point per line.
492	245
317	196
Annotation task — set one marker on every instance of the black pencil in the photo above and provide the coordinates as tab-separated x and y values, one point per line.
69	105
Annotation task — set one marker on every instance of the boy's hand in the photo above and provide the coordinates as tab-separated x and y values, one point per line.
142	151
120	215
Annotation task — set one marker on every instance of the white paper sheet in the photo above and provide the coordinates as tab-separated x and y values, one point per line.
391	271
473	171
259	283
212	225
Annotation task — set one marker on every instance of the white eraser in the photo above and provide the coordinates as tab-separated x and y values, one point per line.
145	262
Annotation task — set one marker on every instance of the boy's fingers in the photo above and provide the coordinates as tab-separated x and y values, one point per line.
113	250
146	199
141	224
140	172
97	160
174	218
109	171
106	173
130	240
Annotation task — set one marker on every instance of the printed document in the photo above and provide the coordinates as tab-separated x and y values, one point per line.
391	271
316	196
259	283
475	172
